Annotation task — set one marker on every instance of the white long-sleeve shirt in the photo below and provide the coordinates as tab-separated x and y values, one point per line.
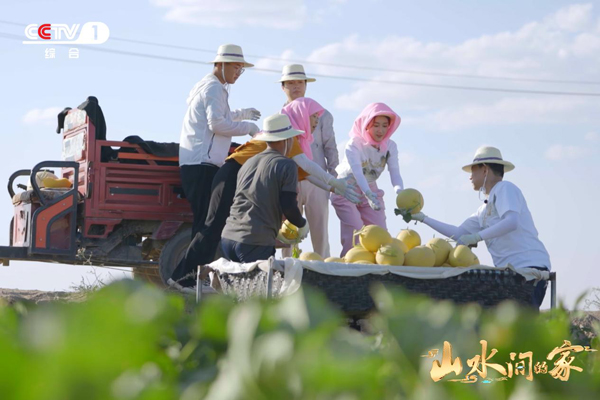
506	225
209	124
366	163
520	247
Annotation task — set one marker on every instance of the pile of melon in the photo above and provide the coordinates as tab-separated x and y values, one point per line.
376	245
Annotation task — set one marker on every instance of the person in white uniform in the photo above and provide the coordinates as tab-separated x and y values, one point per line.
312	200
208	127
503	221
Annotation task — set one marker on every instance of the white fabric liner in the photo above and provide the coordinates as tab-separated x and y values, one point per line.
292	269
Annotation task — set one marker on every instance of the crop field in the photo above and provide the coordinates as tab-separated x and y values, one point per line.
130	340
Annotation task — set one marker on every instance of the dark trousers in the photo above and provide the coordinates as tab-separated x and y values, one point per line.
196	181
204	244
245	253
539	292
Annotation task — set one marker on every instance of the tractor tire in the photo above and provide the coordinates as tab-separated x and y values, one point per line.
148	274
173	252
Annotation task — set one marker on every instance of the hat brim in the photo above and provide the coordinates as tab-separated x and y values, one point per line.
277	137
231	60
292	78
508	166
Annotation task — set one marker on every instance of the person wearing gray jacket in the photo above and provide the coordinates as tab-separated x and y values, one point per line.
312	200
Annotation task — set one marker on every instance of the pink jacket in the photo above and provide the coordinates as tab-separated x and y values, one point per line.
361	124
299	112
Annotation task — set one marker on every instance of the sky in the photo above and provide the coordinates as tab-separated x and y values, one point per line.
388	49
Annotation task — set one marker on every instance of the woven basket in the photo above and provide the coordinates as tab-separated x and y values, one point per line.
351	294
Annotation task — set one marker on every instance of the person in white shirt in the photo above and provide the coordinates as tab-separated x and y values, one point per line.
322	149
503	221
208	127
368	152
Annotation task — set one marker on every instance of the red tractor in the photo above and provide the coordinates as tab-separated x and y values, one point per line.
125	206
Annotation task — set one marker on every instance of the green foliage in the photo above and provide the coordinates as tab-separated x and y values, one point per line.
134	341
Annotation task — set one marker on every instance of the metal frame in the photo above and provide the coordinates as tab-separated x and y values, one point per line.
45	204
270	278
269	293
552	290
15	175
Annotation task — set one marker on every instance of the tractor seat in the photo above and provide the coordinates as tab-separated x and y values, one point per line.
29	196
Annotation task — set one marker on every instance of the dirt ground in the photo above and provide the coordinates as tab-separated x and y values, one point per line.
37	296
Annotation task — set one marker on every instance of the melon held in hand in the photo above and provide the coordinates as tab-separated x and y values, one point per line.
410	200
289	230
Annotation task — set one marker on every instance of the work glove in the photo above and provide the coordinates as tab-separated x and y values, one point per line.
470	239
373	200
407	216
251	114
341	187
417	217
303	232
254	129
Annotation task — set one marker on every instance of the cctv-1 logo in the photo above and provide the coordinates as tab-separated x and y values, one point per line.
90	33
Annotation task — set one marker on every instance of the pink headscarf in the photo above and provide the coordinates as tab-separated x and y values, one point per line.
361	124
299	112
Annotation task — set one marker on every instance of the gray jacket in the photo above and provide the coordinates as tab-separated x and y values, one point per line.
324	148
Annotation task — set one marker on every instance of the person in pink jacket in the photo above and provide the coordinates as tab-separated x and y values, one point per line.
367	153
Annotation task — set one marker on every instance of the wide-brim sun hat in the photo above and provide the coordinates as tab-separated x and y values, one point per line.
489	155
294	72
277	127
231	53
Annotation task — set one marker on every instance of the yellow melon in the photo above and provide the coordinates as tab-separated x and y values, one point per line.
289	230
410	238
410	200
441	248
359	253
400	244
419	256
372	237
461	256
62	183
390	255
40	177
364	262
445	265
310	256
335	259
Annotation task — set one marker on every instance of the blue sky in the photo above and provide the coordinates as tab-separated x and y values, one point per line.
554	141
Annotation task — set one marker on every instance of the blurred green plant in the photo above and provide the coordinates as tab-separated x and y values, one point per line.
133	341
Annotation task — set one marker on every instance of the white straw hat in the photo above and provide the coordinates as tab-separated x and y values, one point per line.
489	155
277	127
294	72
231	53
